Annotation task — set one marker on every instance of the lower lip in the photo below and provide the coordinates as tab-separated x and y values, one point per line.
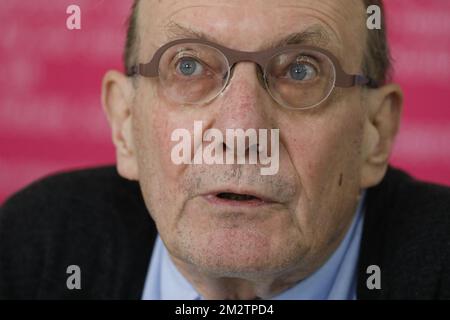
213	199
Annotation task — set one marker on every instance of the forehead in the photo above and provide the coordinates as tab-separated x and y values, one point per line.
254	25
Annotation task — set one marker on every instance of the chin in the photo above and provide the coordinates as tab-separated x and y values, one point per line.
238	253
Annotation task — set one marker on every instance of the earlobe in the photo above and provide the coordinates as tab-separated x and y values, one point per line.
117	99
381	126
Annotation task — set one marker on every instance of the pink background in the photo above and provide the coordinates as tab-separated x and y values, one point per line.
50	111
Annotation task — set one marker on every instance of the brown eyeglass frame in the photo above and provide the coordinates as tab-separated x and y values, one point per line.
261	58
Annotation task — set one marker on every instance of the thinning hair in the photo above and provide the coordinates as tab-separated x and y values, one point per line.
376	60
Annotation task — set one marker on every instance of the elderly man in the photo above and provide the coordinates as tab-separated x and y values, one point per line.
332	220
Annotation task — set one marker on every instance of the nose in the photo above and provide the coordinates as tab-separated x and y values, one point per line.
244	104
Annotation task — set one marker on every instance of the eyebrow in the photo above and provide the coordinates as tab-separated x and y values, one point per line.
313	35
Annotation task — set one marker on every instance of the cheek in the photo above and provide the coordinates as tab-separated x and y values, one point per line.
157	121
325	153
158	175
323	144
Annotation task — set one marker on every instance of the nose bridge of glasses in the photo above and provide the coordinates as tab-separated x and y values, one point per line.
235	56
260	58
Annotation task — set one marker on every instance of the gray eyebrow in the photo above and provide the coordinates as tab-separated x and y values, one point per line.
175	31
313	35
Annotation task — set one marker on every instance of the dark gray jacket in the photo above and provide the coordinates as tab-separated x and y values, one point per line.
97	220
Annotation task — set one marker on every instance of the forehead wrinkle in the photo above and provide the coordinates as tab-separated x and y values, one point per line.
174	31
325	36
312	35
330	20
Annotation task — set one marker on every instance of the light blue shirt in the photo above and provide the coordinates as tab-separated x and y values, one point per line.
334	280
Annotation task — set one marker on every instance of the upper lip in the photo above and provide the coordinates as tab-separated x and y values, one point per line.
240	191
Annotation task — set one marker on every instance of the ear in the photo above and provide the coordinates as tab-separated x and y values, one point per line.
117	99
384	106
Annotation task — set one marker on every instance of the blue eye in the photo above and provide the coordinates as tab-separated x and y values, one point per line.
301	71
189	66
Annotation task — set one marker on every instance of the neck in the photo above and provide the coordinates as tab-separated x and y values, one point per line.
213	287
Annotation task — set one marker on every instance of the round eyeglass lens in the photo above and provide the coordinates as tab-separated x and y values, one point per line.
193	73
300	79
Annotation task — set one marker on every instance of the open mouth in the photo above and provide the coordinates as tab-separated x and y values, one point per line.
236	196
236	199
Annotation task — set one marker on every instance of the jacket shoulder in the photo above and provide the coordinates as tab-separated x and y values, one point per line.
407	233
89	218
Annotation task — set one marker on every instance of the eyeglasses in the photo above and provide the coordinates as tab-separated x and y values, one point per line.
196	71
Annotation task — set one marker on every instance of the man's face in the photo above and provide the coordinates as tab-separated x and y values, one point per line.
313	196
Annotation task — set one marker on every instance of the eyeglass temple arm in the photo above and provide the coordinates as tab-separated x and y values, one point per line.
345	80
362	80
132	71
143	69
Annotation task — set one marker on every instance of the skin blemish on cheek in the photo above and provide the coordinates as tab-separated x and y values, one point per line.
340	179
